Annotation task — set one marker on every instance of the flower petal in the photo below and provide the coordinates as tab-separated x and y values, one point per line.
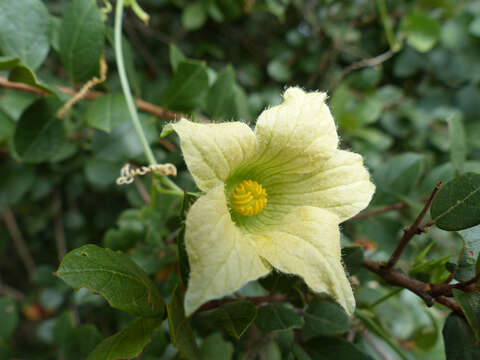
308	244
213	151
221	258
340	184
295	134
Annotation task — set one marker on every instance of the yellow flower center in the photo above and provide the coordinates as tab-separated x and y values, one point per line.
249	198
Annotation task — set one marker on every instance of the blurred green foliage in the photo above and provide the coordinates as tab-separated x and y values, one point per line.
403	83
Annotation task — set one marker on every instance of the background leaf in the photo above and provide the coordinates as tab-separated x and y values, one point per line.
114	276
39	135
459	340
24	31
277	317
180	329
188	88
457	204
324	318
128	343
470	304
81	40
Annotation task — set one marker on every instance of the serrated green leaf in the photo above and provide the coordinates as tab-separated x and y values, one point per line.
188	88
9	316
194	16
466	268
277	317
8	62
459	340
214	347
458	142
470	304
107	112
234	318
457	204
422	30
335	348
176	56
127	343
114	276
181	331
324	318
81	40
39	134
24	31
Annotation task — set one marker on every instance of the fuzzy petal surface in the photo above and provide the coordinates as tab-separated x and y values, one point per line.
213	151
221	258
295	134
340	184
308	244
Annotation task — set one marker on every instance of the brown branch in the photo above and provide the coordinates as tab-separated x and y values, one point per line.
413	230
18	241
429	293
91	95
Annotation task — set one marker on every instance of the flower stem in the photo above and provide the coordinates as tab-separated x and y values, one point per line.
132	109
126	87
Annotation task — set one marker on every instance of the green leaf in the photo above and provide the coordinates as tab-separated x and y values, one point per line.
234	318
107	112
398	176
333	348
8	62
470	304
276	317
81	40
324	318
181	331
127	343
221	99
122	142
9	316
474	27
458	142
17	180
114	276
279	70
194	16
466	268
39	134
457	204
183	263
74	342
422	31
352	257
188	88
214	347
24	31
299	353
23	74
459	340
176	56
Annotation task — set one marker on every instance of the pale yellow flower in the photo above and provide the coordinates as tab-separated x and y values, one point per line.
274	197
